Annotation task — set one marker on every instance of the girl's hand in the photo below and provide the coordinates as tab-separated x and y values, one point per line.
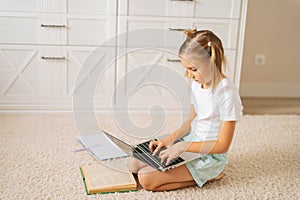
173	152
156	145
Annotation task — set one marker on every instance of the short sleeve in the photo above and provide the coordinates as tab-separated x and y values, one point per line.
230	105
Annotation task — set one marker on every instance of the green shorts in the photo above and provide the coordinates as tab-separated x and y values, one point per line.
207	166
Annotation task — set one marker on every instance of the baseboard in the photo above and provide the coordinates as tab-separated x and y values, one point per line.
60	108
270	90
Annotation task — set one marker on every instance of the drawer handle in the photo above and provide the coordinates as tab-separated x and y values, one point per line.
53	26
53	58
173	60
177	29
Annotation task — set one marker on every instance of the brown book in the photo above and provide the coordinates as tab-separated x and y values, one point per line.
102	179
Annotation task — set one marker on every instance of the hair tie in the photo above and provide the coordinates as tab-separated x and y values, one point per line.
209	44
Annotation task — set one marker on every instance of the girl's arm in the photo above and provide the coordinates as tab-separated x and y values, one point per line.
221	145
179	133
185	128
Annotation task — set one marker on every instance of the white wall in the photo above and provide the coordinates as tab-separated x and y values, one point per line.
273	29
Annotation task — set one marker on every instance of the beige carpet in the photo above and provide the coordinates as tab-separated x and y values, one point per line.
37	161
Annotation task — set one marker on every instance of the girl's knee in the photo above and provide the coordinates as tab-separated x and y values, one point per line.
132	165
147	181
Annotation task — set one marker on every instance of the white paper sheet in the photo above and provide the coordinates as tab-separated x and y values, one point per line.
101	146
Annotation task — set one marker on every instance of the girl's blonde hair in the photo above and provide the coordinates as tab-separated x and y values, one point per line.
207	45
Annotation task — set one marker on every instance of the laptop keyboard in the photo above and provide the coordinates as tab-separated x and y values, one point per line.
143	152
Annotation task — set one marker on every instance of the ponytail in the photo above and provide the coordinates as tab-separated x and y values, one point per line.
215	66
190	33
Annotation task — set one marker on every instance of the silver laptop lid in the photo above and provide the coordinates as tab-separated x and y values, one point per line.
127	148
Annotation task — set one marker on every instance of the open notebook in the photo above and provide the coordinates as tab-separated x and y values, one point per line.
103	179
99	145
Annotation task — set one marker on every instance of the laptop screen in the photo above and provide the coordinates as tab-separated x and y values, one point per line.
127	148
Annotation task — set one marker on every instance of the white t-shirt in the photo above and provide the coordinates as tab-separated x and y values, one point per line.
213	108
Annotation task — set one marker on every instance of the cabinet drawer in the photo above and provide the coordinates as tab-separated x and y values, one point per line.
19	30
181	8
167	36
32	29
218	9
33	5
100	7
77	30
151	31
226	30
56	30
90	31
156	8
60	6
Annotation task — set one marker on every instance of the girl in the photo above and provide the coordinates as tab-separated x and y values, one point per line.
215	108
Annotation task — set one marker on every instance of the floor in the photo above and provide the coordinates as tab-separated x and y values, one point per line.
273	106
38	161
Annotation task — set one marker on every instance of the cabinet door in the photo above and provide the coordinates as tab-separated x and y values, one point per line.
100	7
19	71
31	73
85	66
156	8
52	67
150	77
218	9
50	74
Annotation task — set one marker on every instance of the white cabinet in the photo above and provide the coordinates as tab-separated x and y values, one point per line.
224	9
182	8
148	76
226	30
225	18
104	82
90	31
27	72
21	29
156	8
33	5
50	29
45	77
45	45
99	7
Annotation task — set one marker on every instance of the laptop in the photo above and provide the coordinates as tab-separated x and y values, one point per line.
142	152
